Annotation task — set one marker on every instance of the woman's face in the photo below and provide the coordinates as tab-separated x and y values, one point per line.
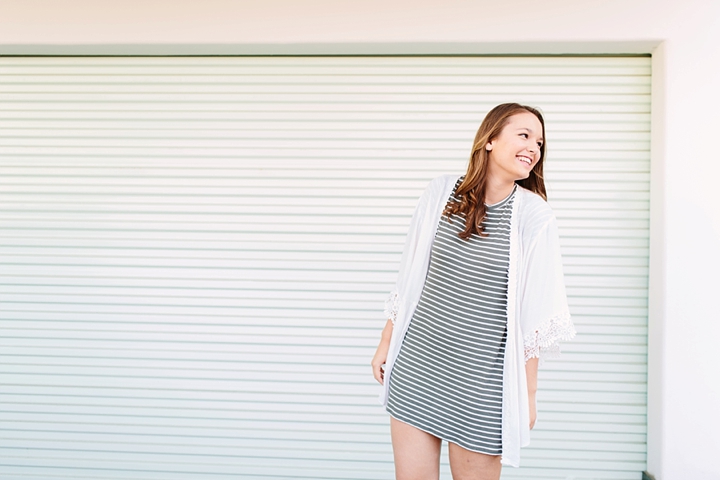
515	152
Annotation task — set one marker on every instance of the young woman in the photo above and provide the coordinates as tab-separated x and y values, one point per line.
480	297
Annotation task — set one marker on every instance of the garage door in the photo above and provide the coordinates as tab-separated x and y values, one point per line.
194	255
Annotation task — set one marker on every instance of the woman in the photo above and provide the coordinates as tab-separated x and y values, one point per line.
480	297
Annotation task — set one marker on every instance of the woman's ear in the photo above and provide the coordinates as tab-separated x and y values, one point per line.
488	146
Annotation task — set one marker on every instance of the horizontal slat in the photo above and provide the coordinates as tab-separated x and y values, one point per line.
378	88
620	126
569	361
210	408
430	159
279	252
285	291
252	456
241	178
193	429
485	103
335	62
451	121
247	371
211	262
295	76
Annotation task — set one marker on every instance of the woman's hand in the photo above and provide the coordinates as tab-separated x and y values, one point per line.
378	361
533	410
531	372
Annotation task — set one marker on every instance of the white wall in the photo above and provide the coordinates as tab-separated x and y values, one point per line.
684	37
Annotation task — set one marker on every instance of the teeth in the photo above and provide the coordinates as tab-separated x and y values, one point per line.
524	159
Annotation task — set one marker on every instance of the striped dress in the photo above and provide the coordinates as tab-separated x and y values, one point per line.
447	378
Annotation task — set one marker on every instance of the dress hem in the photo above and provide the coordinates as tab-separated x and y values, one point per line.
442	438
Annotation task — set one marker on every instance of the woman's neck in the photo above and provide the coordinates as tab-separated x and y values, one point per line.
497	190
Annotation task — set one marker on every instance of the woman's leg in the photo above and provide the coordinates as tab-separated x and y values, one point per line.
417	453
467	465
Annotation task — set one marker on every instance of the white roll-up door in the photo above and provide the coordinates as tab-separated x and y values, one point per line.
194	255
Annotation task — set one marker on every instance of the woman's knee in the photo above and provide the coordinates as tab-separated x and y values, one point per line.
416	453
468	465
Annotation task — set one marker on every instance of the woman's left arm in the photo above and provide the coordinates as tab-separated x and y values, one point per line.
531	372
544	315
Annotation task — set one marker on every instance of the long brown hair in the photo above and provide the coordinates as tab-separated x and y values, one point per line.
471	191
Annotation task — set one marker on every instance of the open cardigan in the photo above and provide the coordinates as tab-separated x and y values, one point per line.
538	316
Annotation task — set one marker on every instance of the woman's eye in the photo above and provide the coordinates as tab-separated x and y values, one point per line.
524	135
540	144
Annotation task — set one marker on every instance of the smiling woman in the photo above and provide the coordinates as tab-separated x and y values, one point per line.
515	151
503	140
480	293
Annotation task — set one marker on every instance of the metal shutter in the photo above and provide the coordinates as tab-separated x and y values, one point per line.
194	253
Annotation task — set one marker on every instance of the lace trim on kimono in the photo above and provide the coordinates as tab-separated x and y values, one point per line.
391	306
543	343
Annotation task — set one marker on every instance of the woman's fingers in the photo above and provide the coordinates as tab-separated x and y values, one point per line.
378	373
533	418
381	354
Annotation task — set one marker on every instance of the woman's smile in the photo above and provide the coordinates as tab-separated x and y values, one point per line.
526	160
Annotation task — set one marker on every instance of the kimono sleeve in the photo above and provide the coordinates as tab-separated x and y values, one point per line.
392	303
544	315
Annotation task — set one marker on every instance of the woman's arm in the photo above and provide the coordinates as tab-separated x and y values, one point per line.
531	372
380	357
544	314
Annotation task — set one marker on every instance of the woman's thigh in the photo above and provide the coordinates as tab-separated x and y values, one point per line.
416	453
467	465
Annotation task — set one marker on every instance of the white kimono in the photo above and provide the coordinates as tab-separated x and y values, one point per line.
538	316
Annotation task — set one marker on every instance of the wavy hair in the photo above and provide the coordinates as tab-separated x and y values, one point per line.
471	191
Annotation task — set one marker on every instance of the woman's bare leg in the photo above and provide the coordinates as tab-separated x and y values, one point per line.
467	465
417	453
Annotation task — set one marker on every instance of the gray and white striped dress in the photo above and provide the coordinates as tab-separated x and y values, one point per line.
447	378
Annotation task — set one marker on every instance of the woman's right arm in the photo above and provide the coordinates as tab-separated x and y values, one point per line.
378	361
392	304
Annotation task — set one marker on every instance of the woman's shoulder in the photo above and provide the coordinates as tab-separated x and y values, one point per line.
439	185
443	181
535	211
